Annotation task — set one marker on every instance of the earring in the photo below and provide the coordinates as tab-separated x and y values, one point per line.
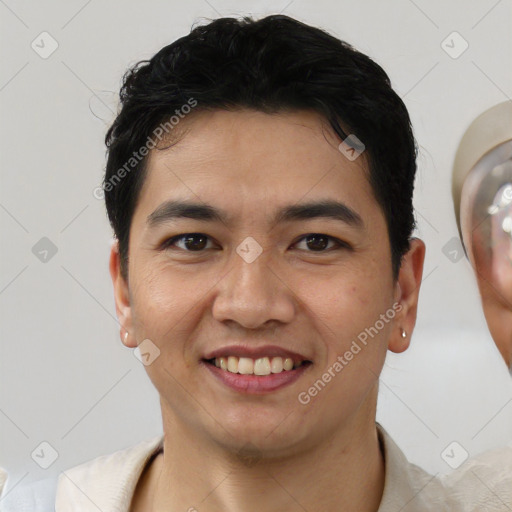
404	334
125	336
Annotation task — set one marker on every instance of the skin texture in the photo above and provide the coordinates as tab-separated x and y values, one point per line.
263	452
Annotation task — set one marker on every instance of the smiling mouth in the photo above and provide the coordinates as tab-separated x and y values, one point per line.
261	366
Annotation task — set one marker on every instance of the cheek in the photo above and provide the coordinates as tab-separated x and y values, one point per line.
353	317
163	302
164	311
345	301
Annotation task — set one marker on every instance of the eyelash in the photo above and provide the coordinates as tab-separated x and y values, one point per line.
340	244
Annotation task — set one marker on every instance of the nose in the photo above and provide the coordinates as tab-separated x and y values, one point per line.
253	294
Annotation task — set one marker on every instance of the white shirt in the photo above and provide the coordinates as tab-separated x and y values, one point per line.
483	483
107	483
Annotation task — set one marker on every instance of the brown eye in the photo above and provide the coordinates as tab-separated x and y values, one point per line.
318	242
191	242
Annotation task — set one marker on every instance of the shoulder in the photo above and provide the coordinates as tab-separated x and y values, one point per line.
97	483
483	482
105	480
39	496
408	487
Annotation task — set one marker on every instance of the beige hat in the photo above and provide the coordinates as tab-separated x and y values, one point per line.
486	132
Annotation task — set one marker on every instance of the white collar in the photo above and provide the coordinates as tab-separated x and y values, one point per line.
108	482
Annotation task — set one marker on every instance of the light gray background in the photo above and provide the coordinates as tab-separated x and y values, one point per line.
65	376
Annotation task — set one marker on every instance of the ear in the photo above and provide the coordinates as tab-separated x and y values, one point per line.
406	294
122	297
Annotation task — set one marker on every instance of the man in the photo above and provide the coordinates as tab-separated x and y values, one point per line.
259	183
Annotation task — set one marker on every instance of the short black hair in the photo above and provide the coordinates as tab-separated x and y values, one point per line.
275	64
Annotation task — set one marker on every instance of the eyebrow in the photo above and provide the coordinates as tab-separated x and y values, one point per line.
328	208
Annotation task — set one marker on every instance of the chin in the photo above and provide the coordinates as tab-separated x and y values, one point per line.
269	439
258	448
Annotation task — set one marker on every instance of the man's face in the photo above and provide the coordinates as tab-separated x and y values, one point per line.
304	297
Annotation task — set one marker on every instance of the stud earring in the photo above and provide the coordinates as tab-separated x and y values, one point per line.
404	334
125	336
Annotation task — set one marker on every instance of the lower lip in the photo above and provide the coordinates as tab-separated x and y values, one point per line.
256	384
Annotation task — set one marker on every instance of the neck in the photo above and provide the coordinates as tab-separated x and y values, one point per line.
341	472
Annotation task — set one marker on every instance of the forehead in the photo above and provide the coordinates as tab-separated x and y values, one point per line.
249	160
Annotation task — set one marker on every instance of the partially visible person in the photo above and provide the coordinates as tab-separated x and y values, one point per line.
483	483
482	196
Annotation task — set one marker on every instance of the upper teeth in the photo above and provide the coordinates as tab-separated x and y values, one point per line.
260	366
